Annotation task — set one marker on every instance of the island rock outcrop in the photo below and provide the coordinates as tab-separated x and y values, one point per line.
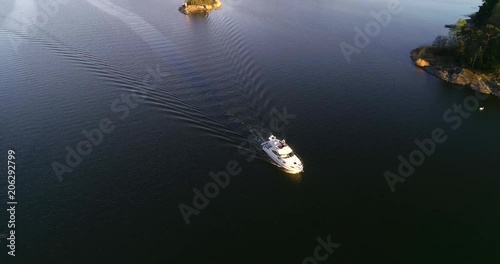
422	63
187	8
457	75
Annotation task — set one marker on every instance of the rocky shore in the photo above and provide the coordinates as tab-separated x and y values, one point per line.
187	9
487	84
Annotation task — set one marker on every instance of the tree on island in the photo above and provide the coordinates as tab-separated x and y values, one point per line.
441	41
474	44
200	2
489	12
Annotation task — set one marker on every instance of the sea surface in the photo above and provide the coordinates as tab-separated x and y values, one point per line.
169	99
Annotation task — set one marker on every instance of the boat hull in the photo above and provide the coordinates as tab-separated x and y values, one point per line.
291	165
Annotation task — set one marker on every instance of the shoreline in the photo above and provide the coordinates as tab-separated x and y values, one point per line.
474	80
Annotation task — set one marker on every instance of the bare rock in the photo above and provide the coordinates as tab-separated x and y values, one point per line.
422	63
457	75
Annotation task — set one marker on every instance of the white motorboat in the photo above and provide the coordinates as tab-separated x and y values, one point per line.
481	108
282	155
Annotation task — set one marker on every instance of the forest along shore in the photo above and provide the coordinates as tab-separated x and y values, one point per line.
470	54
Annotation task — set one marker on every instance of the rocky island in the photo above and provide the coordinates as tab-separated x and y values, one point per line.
195	6
441	67
470	54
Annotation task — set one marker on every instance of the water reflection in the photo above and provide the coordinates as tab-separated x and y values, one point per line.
22	14
193	17
295	178
199	15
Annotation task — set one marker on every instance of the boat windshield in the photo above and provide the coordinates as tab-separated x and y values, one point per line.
288	155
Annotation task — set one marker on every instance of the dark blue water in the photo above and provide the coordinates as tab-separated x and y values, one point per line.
183	96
